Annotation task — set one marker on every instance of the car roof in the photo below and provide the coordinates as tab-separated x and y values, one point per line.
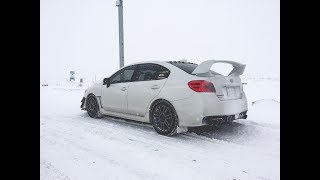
161	62
144	62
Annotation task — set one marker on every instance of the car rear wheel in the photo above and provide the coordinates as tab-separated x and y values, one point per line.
164	118
92	107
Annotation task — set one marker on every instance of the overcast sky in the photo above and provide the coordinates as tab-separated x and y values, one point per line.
82	35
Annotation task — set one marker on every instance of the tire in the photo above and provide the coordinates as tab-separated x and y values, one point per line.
164	118
92	107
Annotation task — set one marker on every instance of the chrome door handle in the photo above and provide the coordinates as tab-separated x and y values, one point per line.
155	87
123	88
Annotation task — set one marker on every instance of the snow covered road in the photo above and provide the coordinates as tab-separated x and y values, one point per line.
75	146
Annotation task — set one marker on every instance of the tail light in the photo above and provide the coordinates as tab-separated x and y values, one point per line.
201	86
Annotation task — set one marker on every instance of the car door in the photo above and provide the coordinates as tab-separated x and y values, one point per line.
146	84
114	97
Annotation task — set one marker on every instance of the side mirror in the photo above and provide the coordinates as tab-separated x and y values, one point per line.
106	81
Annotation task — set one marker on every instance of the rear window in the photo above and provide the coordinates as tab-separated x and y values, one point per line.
186	67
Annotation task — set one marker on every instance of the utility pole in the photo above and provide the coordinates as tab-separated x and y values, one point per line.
120	17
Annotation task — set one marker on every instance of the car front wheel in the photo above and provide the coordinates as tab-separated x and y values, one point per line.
92	107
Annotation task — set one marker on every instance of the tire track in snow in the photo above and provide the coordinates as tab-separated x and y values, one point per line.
133	136
63	137
48	171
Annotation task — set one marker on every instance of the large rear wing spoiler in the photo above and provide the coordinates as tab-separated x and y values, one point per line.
204	67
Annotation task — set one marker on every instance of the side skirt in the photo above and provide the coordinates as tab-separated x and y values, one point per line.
125	116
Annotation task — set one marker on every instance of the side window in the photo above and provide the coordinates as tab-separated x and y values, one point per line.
123	75
162	73
147	72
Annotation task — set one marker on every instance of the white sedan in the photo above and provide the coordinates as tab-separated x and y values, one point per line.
172	95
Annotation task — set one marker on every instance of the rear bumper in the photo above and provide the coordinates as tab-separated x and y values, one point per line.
213	120
193	110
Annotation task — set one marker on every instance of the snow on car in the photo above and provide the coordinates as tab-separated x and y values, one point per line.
172	95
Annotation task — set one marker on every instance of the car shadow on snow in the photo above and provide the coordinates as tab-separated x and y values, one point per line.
123	122
235	132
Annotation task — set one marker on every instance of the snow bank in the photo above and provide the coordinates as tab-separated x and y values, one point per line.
265	111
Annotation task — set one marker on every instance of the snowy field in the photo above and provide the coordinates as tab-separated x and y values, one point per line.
74	146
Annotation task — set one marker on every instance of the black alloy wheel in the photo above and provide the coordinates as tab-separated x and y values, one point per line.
164	118
92	107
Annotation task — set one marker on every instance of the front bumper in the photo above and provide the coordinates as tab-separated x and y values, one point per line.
82	103
213	120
